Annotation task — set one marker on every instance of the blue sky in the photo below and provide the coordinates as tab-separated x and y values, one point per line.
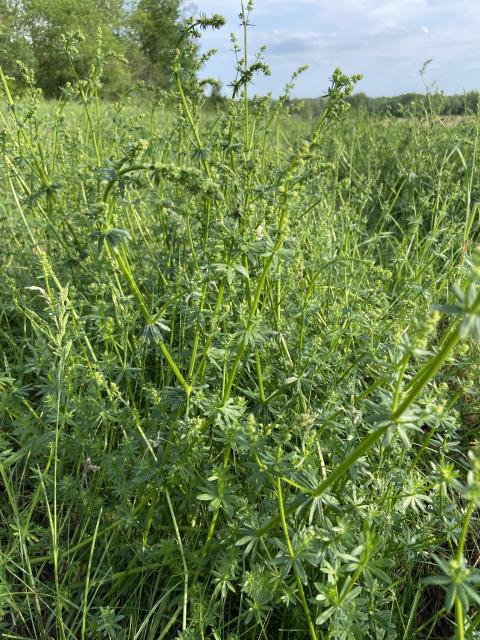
387	41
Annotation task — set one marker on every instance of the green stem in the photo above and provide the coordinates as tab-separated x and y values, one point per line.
122	172
87	109
184	562
192	123
464	532
246	115
291	553
459	618
127	273
6	88
258	367
459	612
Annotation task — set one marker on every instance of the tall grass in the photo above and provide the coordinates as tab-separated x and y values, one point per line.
239	373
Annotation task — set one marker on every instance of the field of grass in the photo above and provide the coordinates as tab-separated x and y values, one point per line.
239	371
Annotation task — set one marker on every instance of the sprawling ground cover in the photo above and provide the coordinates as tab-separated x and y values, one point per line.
230	407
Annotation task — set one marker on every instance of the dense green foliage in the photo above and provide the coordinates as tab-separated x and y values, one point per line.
229	406
140	38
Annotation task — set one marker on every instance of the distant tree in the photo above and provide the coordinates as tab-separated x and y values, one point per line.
359	100
14	42
472	101
156	26
145	31
46	20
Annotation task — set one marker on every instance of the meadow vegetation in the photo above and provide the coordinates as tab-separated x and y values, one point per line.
239	366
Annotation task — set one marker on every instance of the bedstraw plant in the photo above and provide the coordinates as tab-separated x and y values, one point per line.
239	364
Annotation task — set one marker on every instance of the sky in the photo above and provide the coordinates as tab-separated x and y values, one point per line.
387	41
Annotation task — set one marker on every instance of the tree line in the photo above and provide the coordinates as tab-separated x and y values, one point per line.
139	37
400	106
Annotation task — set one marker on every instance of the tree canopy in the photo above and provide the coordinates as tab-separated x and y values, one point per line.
143	32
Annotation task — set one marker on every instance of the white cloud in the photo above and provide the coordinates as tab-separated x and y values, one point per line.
385	40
